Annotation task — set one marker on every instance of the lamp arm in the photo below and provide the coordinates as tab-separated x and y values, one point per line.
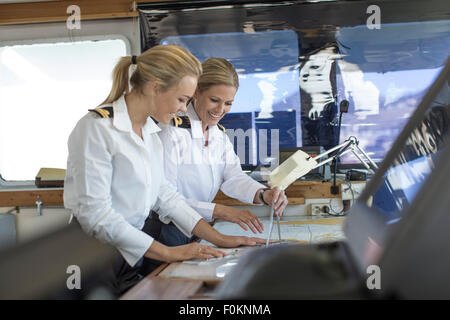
342	145
331	158
374	165
347	146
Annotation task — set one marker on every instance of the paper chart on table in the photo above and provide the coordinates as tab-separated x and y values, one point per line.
310	230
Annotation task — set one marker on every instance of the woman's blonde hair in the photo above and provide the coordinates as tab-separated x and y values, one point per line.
165	64
217	71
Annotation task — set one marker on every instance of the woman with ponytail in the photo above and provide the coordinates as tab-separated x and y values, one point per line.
115	174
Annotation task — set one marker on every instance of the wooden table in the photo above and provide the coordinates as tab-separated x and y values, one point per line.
154	287
188	280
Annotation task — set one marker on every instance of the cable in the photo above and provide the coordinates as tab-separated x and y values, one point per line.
342	212
334	213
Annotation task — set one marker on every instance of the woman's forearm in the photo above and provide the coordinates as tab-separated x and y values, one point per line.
204	231
158	251
218	211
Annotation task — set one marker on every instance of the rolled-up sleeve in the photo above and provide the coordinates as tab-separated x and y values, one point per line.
88	192
205	209
236	184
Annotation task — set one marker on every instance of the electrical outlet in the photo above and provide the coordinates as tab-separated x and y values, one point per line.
317	209
347	193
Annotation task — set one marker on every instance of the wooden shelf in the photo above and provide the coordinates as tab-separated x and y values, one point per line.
296	192
54	11
312	190
28	198
111	15
221	198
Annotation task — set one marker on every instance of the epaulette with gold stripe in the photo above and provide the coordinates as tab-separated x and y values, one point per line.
181	122
221	127
104	112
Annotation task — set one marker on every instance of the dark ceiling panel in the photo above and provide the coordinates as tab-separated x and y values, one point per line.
317	24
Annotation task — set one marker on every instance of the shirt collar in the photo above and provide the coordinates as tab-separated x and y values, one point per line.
151	126
196	123
122	119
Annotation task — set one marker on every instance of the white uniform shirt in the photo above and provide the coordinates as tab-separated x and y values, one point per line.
114	178
199	171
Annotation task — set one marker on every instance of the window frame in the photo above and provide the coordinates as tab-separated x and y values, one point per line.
27	184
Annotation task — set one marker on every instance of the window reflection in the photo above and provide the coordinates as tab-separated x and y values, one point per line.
384	79
318	91
268	98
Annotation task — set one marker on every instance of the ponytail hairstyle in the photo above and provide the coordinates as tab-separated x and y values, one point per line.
217	71
165	64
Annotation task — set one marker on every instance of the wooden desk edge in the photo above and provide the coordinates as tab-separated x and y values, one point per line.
156	287
297	193
158	270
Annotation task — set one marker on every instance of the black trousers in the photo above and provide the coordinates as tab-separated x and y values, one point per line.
167	234
121	277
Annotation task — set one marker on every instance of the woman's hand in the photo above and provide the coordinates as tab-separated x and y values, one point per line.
204	231
236	241
243	218
193	250
277	198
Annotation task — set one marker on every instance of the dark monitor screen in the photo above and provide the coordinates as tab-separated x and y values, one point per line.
406	167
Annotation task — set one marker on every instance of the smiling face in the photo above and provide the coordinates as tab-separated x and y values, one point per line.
212	104
173	100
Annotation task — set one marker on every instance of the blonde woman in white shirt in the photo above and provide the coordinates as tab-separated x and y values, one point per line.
199	158
115	172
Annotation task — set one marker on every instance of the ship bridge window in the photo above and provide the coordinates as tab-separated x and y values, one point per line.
45	88
265	115
384	79
330	53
